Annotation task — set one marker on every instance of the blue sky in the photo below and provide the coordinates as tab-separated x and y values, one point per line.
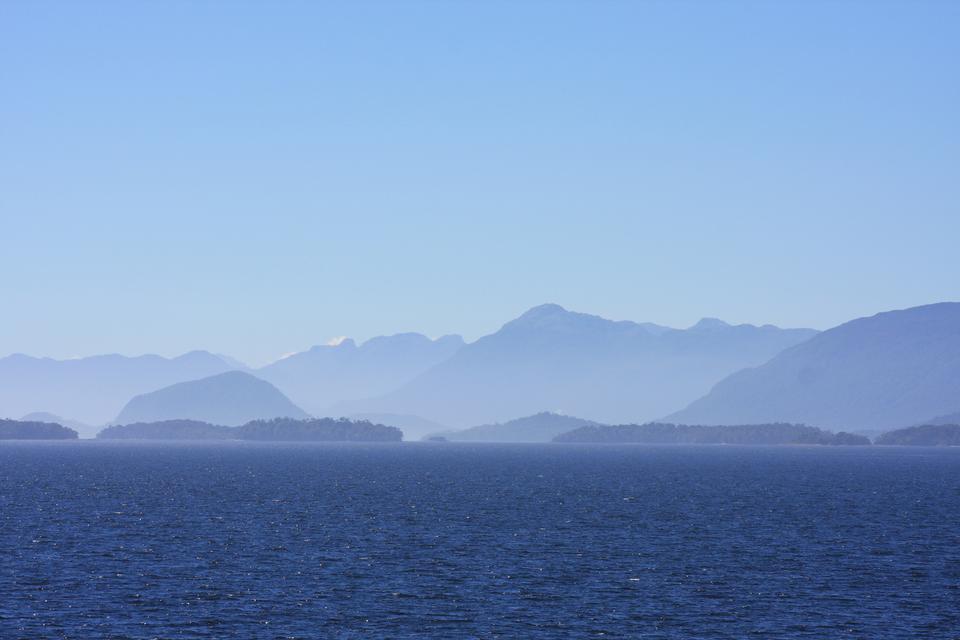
254	178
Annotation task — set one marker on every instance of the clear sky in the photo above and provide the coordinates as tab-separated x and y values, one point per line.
256	177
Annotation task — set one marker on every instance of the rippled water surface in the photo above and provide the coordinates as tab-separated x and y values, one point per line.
133	540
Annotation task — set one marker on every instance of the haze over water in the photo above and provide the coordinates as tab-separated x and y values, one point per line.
136	540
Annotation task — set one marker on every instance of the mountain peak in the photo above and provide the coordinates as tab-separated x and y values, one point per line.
229	398
19	358
709	324
199	355
553	317
544	310
339	343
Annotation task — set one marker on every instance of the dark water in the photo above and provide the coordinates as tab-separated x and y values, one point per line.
127	540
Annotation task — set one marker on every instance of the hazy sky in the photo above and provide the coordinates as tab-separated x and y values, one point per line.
254	178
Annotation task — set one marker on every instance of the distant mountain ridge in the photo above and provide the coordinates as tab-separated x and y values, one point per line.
542	427
551	359
880	372
92	390
947	418
328	374
887	371
232	399
548	359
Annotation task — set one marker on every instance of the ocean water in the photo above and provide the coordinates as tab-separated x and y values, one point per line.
242	540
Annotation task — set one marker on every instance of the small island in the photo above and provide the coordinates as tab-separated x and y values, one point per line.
318	430
275	430
928	435
29	430
167	430
667	433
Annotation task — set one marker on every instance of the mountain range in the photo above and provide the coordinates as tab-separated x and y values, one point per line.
886	371
552	359
87	392
93	390
325	375
889	370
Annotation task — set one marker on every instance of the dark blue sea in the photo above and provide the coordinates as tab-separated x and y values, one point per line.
241	540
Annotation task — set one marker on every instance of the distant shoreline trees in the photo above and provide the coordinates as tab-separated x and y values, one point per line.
345	430
29	430
275	430
927	435
167	430
668	433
